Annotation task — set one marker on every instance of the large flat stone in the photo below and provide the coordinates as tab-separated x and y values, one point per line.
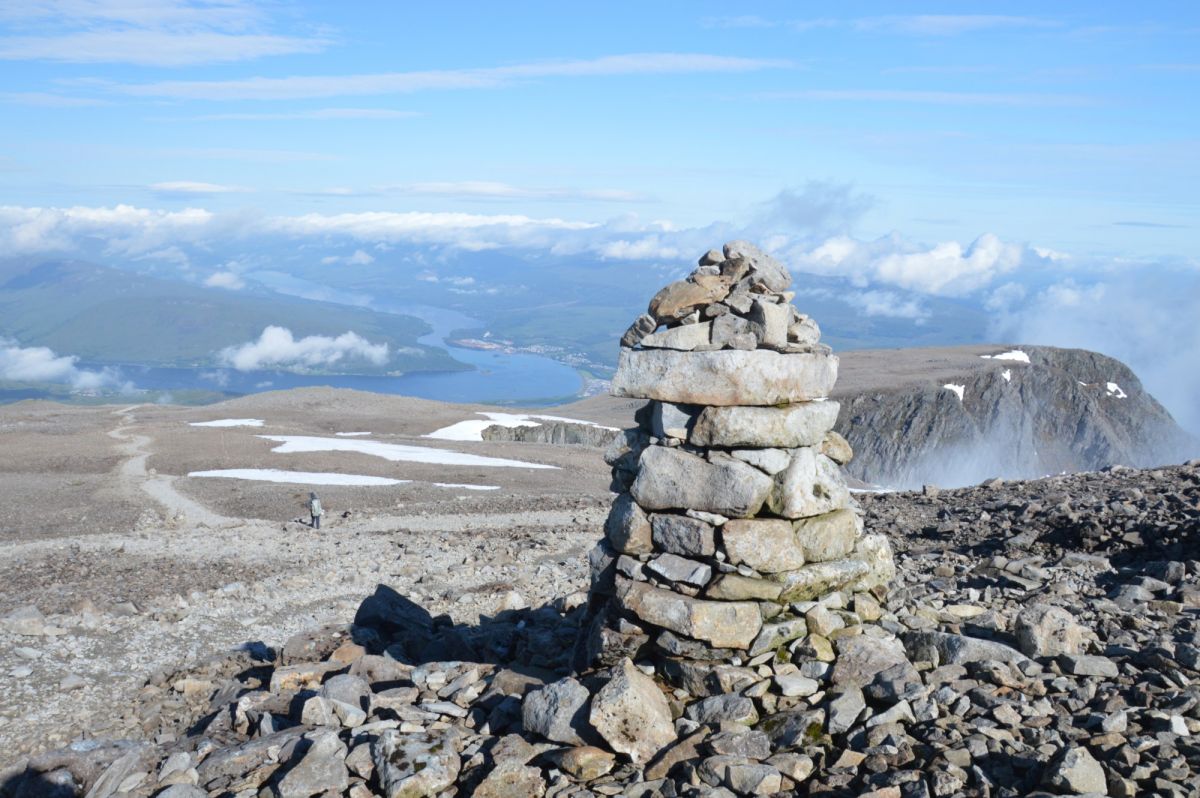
680	298
831	536
816	580
811	485
632	715
725	377
685	337
672	479
768	545
724	624
800	424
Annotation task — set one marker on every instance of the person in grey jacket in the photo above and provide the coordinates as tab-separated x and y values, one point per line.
314	508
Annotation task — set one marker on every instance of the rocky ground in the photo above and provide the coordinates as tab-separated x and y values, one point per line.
1041	637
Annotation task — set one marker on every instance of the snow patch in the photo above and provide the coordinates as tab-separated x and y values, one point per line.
1015	354
297	477
957	390
351	434
1115	390
1007	375
468	487
472	429
291	444
229	422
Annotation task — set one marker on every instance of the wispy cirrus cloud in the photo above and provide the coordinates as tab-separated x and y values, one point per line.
316	86
925	97
171	33
191	187
43	99
315	114
489	190
906	24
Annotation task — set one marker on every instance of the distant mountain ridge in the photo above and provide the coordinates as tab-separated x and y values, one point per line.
1064	410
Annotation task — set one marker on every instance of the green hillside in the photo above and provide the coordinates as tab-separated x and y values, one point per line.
106	315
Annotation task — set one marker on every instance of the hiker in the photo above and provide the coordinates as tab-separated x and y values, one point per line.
314	507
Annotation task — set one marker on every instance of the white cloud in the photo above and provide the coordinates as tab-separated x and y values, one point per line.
229	280
278	348
483	189
312	86
194	187
949	24
887	304
122	229
167	33
314	114
44	99
925	97
946	269
359	258
41	364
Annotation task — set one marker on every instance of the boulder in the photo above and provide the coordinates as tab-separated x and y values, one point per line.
685	337
811	485
671	479
632	715
875	550
683	535
861	658
511	779
787	427
627	527
725	377
557	712
1044	630
943	648
1077	772
415	765
831	536
819	579
725	624
768	545
766	269
680	298
319	767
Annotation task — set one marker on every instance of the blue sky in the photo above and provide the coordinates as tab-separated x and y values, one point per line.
1068	126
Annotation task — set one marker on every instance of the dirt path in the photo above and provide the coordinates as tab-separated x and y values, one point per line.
134	476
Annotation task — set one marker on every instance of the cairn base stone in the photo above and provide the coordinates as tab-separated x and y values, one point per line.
802	424
672	479
725	624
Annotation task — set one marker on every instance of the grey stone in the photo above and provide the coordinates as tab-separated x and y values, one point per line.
774	635
700	678
723	708
811	485
745	744
627	527
1086	665
766	269
753	778
771	323
733	332
942	648
860	659
321	768
669	420
787	427
685	337
735	587
558	712
844	710
1077	771
794	685
674	568
818	579
348	689
632	715
1044	630
683	535
769	461
831	536
641	327
768	545
511	780
804	330
671	479
679	299
415	765
724	624
725	377
875	550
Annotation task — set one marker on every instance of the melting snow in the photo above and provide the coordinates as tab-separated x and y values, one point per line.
1115	390
1007	375
472	429
296	477
350	434
957	389
392	451
468	487
229	422
1015	354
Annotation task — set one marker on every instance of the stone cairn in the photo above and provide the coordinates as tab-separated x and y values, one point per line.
734	558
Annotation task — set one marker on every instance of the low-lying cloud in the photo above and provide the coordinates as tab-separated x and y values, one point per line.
41	364
276	347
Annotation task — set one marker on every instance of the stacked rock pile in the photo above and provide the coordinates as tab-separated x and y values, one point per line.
734	540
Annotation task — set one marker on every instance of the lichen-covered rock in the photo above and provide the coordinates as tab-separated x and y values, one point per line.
727	624
415	765
632	715
671	479
724	377
787	427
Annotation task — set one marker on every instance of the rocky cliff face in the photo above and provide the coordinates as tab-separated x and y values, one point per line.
571	433
960	415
